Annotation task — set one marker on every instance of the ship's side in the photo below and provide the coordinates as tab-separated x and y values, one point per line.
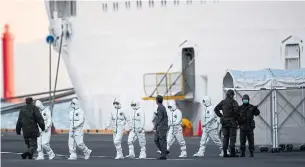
112	48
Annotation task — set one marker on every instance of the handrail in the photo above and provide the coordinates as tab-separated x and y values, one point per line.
161	80
45	103
19	105
168	76
34	94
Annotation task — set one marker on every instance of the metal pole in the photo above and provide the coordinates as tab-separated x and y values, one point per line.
50	73
56	76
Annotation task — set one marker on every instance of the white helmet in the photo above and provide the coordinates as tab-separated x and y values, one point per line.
206	101
172	105
116	103
39	105
75	103
135	104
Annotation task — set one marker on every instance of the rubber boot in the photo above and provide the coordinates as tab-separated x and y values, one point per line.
87	154
40	156
242	154
183	154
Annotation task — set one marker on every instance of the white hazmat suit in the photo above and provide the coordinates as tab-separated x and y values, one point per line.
76	134
175	128
117	118
136	122
43	141
209	128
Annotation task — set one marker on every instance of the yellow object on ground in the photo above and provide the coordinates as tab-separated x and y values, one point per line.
187	127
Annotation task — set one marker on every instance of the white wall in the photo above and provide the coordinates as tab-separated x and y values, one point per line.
111	51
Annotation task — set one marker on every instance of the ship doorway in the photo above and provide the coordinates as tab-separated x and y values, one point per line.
188	70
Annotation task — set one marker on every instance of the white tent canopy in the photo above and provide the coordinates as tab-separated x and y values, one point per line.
264	79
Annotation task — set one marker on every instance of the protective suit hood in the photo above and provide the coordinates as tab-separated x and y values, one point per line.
117	103
135	104
39	104
172	105
206	100
75	103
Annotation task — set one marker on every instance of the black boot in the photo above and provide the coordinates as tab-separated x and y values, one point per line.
233	153
24	155
242	154
162	158
30	156
225	153
251	154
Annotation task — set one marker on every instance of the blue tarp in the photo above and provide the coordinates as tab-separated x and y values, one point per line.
266	78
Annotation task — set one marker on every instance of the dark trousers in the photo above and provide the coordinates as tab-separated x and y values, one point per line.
160	141
243	136
229	134
31	145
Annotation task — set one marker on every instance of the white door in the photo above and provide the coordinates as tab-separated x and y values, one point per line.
292	56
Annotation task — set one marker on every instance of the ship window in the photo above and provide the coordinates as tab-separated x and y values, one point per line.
139	4
115	6
151	3
127	4
105	7
292	56
64	8
176	2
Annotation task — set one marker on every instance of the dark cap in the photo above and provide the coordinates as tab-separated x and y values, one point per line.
230	93
29	100
159	99
246	97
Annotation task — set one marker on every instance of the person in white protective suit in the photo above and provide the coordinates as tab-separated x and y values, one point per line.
175	128
117	118
136	122
76	134
43	141
209	128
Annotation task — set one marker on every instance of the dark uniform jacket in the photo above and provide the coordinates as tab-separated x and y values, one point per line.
246	115
161	121
29	117
229	114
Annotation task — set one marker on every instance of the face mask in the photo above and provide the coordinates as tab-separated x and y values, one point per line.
245	101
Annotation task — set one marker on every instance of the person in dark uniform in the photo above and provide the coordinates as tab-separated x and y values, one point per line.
28	118
228	120
161	128
246	124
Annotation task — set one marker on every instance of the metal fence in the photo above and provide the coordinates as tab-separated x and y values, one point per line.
282	117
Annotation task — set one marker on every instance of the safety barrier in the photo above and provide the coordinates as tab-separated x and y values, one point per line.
282	117
169	85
